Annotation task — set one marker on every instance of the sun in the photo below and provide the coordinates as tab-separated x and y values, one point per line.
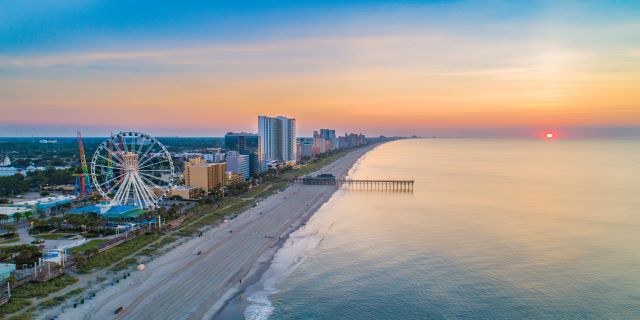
549	135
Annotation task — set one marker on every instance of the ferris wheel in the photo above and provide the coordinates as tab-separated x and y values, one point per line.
132	168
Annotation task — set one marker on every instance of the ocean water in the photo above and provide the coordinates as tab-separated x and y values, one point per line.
495	229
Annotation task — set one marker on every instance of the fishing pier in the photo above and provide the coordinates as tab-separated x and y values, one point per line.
359	184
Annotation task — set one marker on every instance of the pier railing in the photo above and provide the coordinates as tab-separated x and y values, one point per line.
378	185
362	184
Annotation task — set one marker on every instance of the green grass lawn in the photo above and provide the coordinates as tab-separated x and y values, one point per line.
91	244
56	301
20	297
255	191
50	236
124	264
23	316
208	215
106	258
42	289
13	305
12	240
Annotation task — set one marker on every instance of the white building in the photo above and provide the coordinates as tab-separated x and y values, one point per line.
278	139
7	171
238	164
208	157
11	210
219	157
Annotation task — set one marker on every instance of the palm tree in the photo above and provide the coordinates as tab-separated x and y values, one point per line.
17	216
94	223
74	220
10	228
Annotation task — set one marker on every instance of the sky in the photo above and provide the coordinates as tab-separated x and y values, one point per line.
431	68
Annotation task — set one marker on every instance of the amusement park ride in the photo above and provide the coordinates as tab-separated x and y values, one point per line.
129	168
83	181
133	169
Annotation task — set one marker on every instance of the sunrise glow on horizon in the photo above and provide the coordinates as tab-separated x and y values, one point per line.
449	68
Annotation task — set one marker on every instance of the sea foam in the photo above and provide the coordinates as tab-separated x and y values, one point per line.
300	245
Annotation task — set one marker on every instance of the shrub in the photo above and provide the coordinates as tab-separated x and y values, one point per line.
43	289
14	305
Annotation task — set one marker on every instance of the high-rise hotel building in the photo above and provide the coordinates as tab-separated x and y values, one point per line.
278	139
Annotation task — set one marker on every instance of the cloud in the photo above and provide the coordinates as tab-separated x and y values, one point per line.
170	56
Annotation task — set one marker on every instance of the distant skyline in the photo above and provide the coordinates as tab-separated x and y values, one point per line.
436	68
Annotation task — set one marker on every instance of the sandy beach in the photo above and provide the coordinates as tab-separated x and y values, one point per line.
184	285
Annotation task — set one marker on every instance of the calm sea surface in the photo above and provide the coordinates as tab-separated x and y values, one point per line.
495	229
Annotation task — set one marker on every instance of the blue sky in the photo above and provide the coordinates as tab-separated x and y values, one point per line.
320	61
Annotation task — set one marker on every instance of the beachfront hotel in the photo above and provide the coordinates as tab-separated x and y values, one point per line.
278	139
206	176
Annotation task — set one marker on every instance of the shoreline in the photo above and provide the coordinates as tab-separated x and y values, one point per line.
233	306
181	284
254	277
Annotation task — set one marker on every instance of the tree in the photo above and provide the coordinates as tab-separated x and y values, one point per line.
74	220
10	228
55	221
173	210
26	254
93	222
201	193
17	216
238	188
91	252
81	261
13	185
215	196
57	177
161	210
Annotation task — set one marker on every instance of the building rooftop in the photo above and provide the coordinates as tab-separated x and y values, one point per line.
113	212
7	267
182	187
46	200
241	134
10	211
